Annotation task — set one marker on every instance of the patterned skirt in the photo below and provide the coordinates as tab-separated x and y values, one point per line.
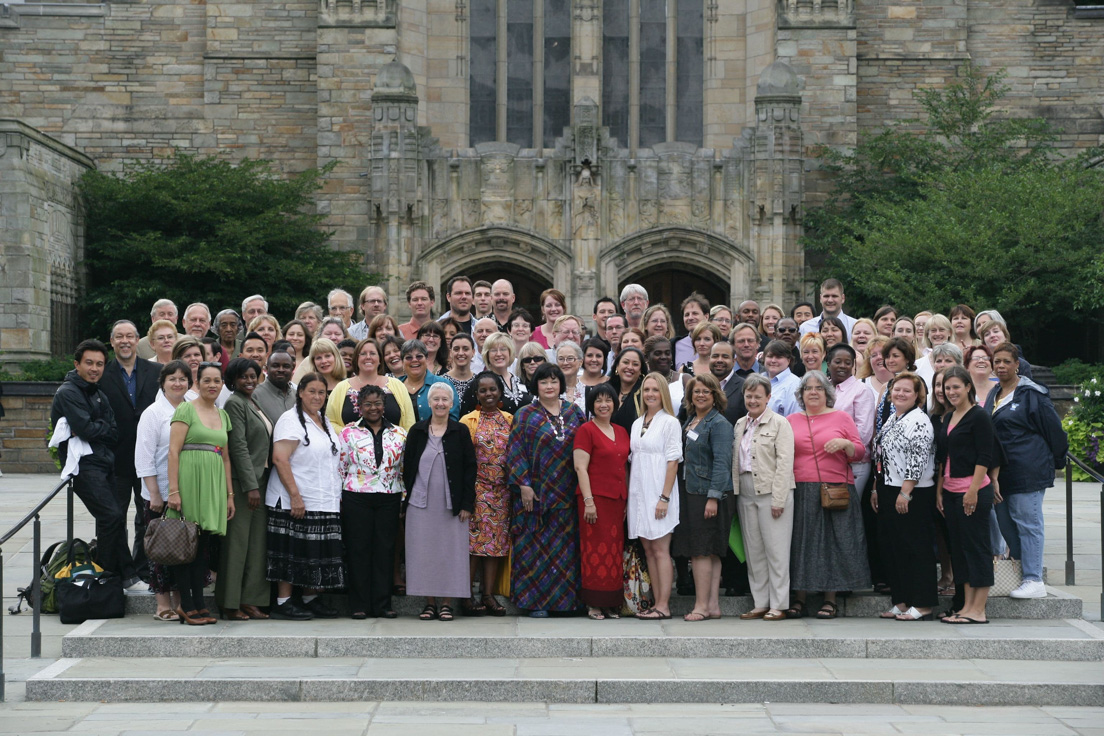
306	552
545	568
601	554
490	524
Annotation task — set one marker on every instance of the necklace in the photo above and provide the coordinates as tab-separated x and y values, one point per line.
556	422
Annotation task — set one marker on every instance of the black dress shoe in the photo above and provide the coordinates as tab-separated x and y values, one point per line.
291	611
320	609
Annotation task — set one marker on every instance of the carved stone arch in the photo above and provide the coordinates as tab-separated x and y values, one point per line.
497	249
710	257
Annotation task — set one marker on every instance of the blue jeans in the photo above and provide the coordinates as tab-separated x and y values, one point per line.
1021	522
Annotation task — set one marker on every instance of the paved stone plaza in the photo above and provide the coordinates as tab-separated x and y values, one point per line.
601	677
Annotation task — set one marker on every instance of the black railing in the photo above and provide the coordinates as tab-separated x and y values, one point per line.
1071	569
36	573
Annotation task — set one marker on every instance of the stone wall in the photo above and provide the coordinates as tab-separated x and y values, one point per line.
24	427
41	243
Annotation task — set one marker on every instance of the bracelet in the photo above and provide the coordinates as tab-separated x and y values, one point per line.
588	501
174	493
665	499
906	496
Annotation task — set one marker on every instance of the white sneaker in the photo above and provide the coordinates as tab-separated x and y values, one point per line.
1030	589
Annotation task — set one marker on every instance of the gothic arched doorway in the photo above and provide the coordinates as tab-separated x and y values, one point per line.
670	285
527	284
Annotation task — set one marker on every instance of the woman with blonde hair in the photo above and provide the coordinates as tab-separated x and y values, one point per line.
267	327
343	407
325	360
768	319
920	322
653	510
721	316
862	332
657	321
813	352
530	357
162	336
498	357
872	371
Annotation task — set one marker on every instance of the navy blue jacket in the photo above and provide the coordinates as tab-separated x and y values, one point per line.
1032	436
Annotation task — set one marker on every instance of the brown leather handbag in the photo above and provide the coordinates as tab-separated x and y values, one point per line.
171	541
833	496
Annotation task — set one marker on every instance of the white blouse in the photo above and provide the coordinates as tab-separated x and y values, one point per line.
906	447
151	446
314	466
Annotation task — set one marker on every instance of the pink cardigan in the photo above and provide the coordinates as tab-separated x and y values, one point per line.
835	467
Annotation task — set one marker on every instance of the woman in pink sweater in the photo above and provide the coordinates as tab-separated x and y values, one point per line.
829	550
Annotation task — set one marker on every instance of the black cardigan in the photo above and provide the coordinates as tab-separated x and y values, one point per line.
971	443
459	463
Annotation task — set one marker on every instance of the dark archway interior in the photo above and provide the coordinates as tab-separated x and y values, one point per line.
670	285
527	285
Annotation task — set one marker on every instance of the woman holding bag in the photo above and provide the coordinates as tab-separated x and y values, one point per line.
199	484
829	549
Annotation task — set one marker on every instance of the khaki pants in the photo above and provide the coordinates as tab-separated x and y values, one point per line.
767	545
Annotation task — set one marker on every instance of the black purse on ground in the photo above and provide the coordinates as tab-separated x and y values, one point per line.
88	591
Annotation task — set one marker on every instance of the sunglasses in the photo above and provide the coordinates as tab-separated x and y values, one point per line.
527	361
785	329
211	364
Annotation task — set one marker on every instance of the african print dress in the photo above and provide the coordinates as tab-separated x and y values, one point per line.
545	570
490	524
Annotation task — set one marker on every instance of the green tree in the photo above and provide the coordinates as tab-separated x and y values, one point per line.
204	229
964	207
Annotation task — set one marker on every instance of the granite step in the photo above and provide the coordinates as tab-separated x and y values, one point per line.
573	680
1057	605
873	638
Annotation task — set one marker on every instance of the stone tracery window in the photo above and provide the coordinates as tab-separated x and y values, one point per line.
520	71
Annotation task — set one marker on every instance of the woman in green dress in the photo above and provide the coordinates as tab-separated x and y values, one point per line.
199	483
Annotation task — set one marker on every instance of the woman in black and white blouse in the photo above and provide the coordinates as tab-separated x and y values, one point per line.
905	500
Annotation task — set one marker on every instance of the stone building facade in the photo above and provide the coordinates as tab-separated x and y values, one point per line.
580	144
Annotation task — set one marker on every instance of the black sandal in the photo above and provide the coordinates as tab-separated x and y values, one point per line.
828	610
472	607
494	608
445	614
796	610
429	612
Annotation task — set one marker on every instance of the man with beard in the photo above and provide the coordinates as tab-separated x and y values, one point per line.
131	386
197	320
502	302
786	331
277	394
722	360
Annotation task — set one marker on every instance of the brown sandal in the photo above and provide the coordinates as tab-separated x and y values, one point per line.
494	608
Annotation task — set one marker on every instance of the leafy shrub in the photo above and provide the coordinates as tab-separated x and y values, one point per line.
1085	426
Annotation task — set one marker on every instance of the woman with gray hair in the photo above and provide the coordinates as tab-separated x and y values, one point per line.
569	356
310	314
829	548
762	469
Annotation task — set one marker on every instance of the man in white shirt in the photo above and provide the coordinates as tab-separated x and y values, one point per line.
831	304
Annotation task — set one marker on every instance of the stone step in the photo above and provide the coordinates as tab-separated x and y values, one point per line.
573	680
1057	605
1071	640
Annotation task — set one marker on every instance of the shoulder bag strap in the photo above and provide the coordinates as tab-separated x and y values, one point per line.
813	446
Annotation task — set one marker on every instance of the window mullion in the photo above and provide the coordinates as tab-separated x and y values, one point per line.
538	73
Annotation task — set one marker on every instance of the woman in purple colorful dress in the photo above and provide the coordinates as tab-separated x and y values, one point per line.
544	574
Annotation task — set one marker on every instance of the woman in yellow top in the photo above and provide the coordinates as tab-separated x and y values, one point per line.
490	523
368	369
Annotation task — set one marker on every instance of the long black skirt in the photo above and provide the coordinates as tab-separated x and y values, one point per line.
306	552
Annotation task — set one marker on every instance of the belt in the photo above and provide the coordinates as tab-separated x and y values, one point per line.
205	448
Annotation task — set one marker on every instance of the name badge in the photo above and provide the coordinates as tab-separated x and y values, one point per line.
692	435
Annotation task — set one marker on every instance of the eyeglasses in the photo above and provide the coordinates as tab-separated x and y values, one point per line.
339	309
814	389
535	359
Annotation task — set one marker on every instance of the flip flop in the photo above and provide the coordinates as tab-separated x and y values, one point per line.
653	615
694	616
166	615
595	614
963	620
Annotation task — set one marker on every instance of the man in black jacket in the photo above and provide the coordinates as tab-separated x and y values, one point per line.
84	406
130	385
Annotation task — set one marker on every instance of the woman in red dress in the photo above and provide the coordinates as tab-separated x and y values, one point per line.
601	455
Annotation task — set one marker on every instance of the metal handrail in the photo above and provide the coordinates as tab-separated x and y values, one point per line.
36	591
1071	570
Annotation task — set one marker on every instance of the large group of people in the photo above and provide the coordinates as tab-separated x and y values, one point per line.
490	453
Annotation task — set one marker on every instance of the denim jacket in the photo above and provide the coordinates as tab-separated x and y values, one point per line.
707	460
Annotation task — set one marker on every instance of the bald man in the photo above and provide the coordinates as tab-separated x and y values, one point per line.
502	302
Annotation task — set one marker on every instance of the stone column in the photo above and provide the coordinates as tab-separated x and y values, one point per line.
586	207
776	185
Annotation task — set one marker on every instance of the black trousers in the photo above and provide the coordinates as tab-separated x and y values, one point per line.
190	579
95	487
874	557
908	545
971	552
125	490
369	527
